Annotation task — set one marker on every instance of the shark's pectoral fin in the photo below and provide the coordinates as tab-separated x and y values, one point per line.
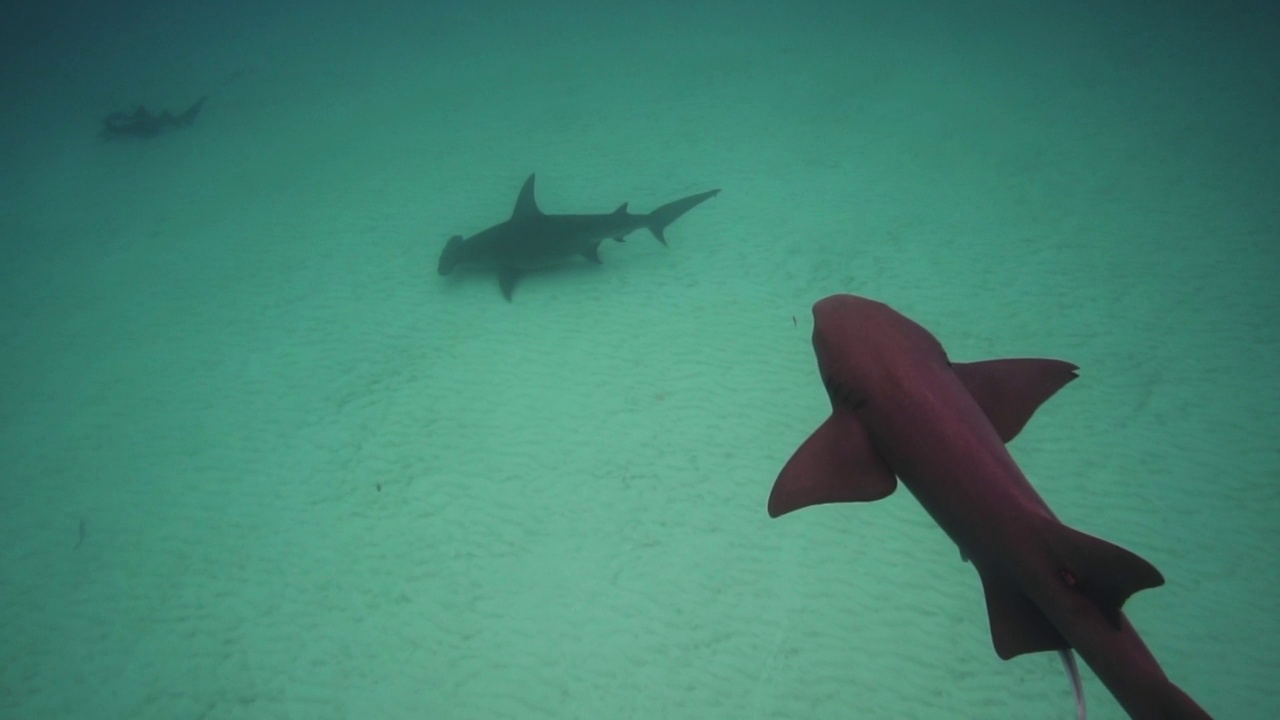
592	253
1009	391
507	279
1104	573
838	463
1017	625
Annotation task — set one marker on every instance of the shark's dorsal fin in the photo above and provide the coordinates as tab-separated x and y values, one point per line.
1104	573
526	205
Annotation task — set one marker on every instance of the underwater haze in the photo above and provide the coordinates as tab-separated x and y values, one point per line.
259	459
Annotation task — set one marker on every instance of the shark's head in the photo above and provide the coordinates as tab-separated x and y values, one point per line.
451	256
858	341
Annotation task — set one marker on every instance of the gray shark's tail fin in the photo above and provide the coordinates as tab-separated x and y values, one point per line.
662	217
188	116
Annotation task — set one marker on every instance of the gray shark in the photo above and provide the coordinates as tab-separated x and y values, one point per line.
901	410
531	239
143	124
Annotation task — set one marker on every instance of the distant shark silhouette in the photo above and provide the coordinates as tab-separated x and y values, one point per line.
142	124
530	239
901	410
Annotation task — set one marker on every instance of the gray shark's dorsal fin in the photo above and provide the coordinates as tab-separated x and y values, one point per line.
526	205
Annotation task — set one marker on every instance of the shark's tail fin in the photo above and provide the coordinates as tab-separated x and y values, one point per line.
188	116
662	217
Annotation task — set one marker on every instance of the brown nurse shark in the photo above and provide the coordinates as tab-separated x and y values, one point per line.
900	409
531	239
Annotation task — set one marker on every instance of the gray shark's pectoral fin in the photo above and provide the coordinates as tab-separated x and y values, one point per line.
1017	625
507	279
592	253
1009	391
1104	573
838	463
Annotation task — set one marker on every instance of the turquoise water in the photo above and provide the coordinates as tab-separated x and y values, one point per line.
257	460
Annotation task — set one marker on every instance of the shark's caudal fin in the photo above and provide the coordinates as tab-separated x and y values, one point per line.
662	217
188	116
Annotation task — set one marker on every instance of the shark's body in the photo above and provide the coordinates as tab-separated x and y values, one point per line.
531	239
902	410
141	123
